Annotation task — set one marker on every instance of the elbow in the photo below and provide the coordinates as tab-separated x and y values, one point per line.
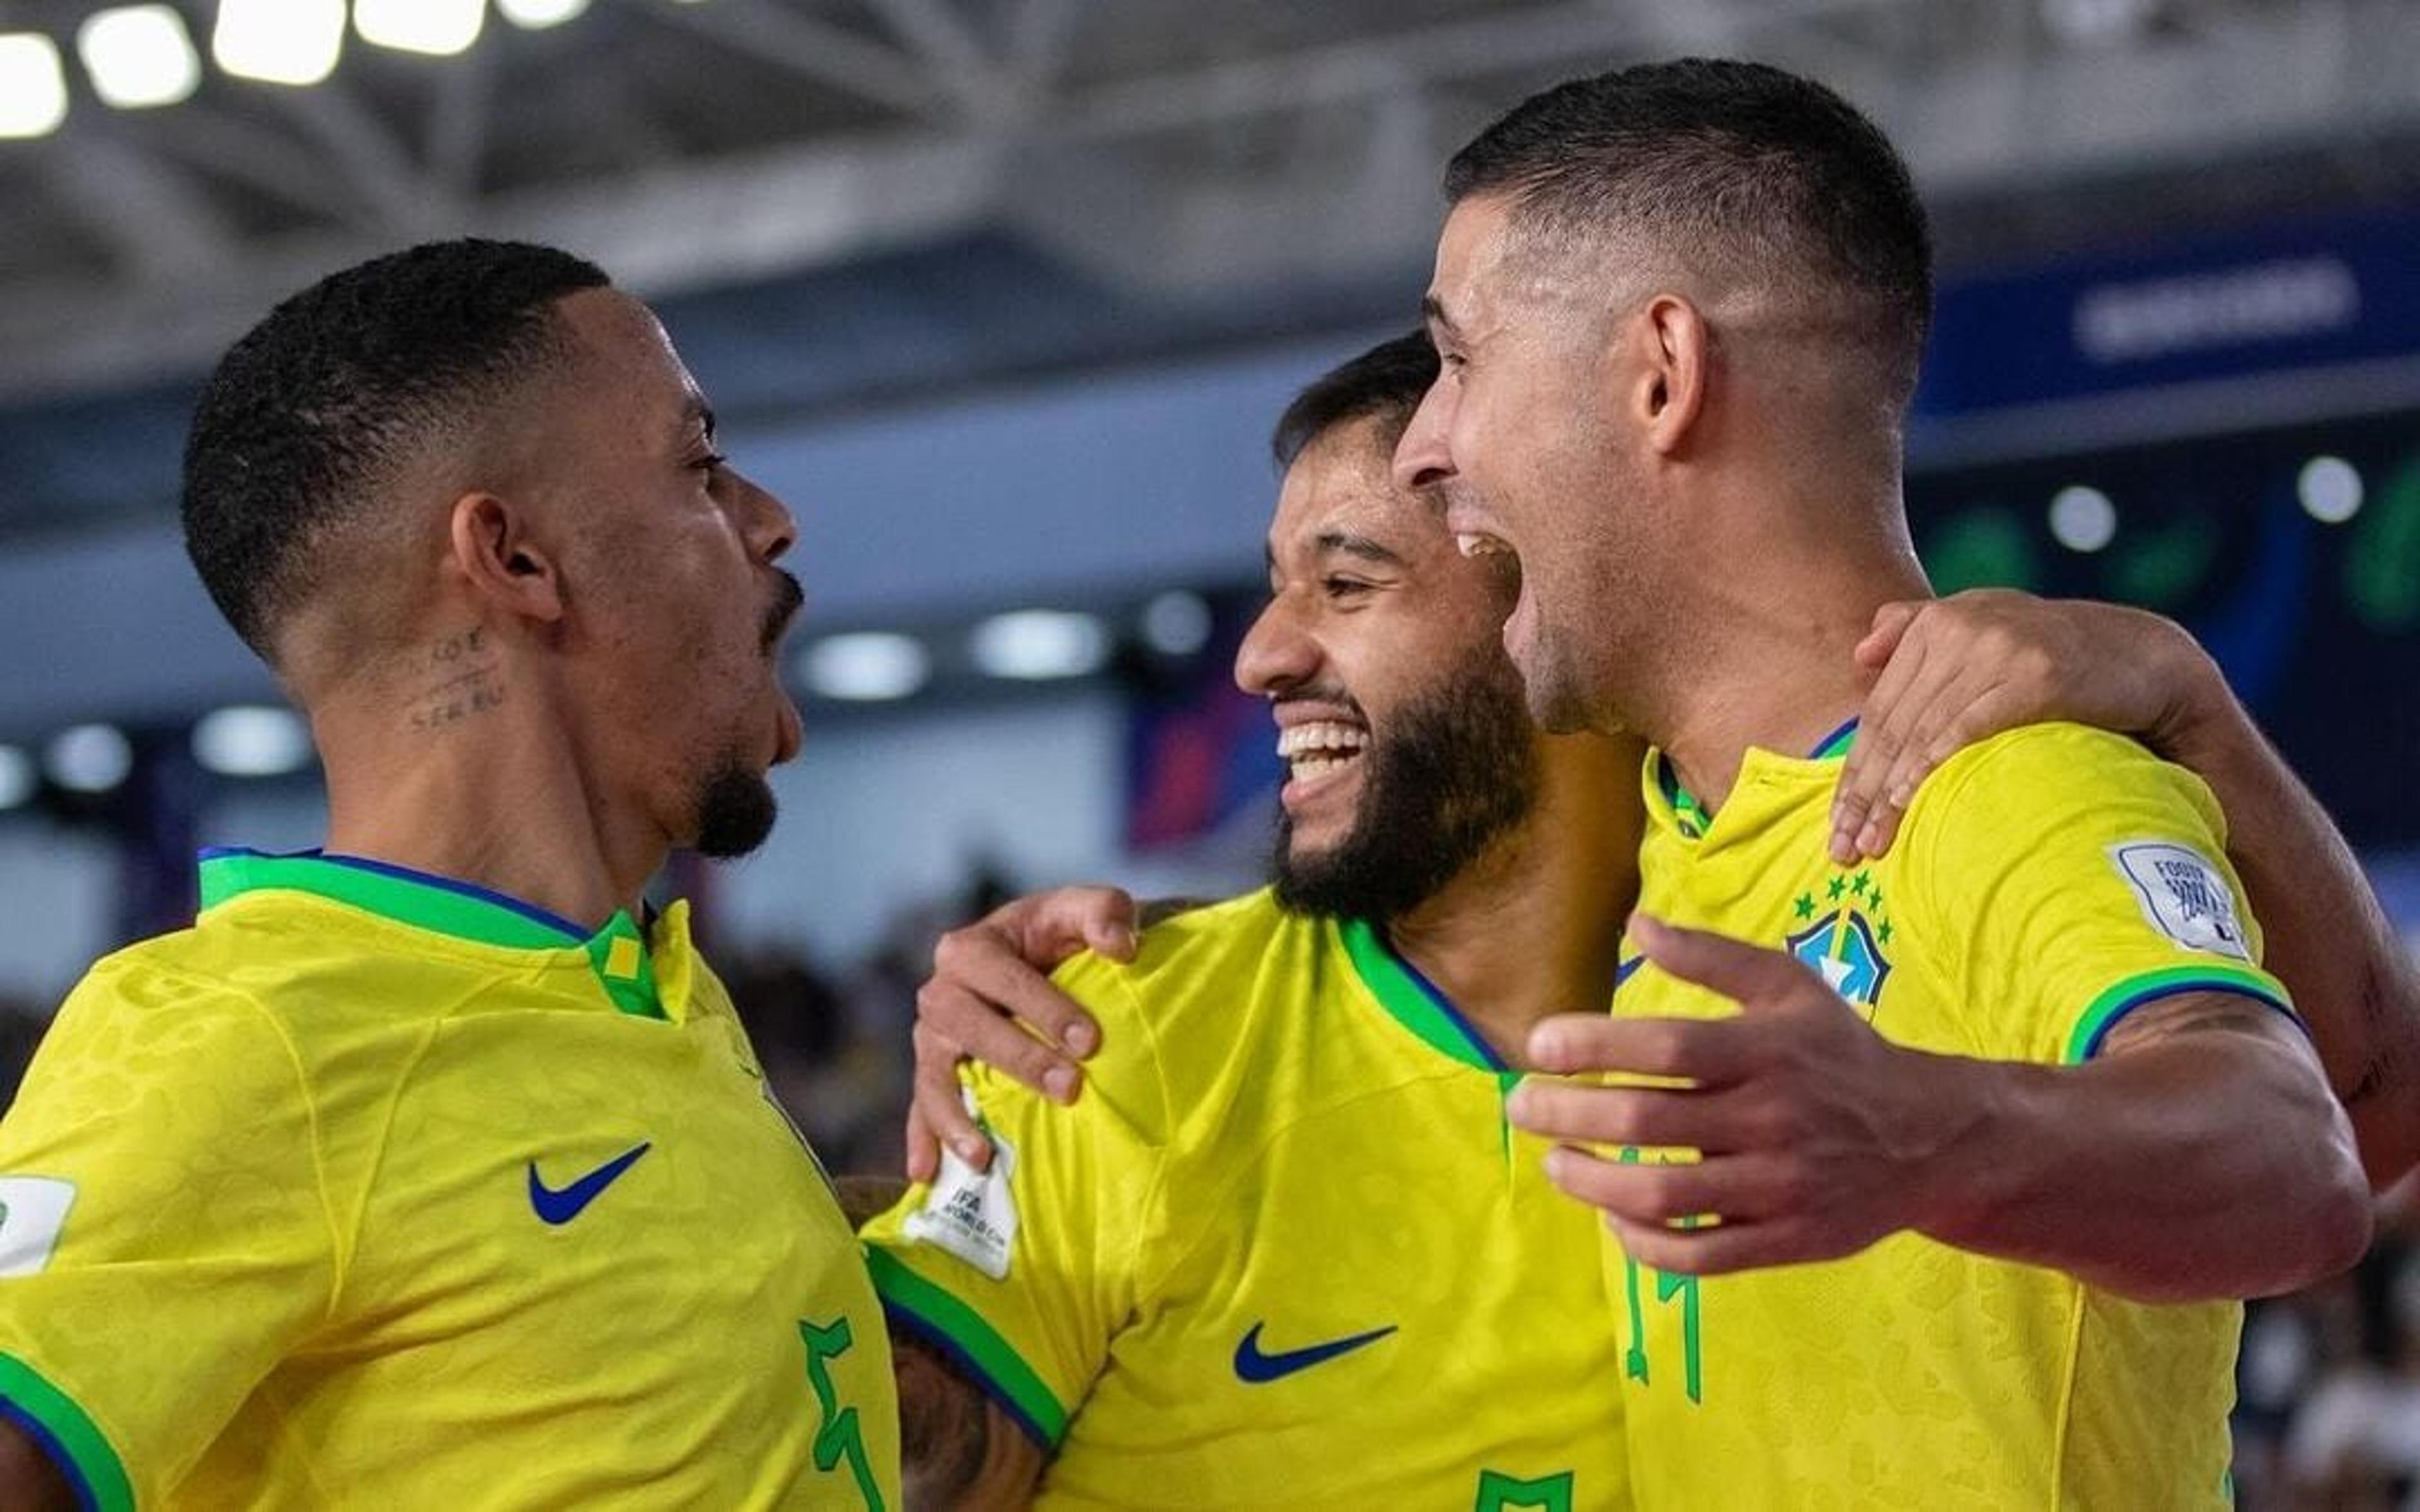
2342	1230
2338	1217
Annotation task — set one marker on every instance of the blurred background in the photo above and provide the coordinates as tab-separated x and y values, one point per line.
1003	297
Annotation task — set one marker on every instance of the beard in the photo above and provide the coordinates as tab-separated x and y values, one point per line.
734	810
1455	772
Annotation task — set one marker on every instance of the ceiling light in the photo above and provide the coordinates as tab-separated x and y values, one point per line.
2330	489
251	740
1036	644
89	758
2081	518
32	87
439	28
279	42
867	667
138	56
16	777
1177	622
533	15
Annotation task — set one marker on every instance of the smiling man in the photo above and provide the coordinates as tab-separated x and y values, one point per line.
1285	1252
433	1169
1920	1141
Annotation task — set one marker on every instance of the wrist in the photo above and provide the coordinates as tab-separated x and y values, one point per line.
1963	1159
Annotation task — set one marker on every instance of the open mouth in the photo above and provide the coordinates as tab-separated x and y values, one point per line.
1319	746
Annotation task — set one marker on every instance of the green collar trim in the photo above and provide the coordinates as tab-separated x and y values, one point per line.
617	953
1694	818
1414	1001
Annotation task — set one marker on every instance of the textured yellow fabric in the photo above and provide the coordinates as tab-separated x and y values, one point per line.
1287	1144
2009	922
357	1221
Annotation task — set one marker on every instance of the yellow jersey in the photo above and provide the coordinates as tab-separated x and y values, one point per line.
2044	883
1283	1251
375	1189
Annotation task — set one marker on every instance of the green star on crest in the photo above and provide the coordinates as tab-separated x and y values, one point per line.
1805	906
1864	879
1834	887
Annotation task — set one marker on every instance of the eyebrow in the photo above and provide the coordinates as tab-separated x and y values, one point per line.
1432	311
697	413
1357	546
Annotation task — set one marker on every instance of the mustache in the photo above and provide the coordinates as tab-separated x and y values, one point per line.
788	598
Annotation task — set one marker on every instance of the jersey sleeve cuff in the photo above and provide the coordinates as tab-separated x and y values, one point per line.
2092	1029
948	1325
68	1434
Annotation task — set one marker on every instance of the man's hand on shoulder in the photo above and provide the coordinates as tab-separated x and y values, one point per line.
990	1000
1950	672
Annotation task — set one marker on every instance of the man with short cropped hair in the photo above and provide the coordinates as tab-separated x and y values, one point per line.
1900	1155
433	1169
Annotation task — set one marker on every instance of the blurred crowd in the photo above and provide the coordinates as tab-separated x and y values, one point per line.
2327	1414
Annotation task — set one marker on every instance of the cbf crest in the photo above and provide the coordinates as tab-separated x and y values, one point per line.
1846	935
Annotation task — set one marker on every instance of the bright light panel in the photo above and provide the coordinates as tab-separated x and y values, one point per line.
138	56
2081	518
89	758
251	740
1035	644
438	27
870	665
32	87
532	15
279	42
16	777
2330	489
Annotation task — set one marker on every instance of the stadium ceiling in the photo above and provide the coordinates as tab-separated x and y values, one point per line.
1161	155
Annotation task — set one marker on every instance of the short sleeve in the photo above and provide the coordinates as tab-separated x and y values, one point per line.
1024	1274
163	1237
2067	878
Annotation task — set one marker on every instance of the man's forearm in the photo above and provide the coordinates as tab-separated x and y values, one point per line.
2203	1162
958	1451
2328	938
28	1478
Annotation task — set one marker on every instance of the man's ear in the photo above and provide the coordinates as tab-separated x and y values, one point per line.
495	553
1672	350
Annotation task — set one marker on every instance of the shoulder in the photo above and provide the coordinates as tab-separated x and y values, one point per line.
2023	779
1205	999
1215	961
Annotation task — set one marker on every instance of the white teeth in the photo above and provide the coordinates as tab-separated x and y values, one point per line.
1475	545
1323	742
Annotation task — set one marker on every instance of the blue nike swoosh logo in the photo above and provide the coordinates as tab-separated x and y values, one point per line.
1253	1367
559	1206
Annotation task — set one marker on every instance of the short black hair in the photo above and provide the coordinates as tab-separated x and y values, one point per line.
1723	161
1385	383
322	399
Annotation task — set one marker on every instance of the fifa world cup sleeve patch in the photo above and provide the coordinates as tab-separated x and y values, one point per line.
32	1210
971	1214
2185	896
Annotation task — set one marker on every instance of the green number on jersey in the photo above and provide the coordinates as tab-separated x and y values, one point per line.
1633	1359
1498	1491
836	1435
